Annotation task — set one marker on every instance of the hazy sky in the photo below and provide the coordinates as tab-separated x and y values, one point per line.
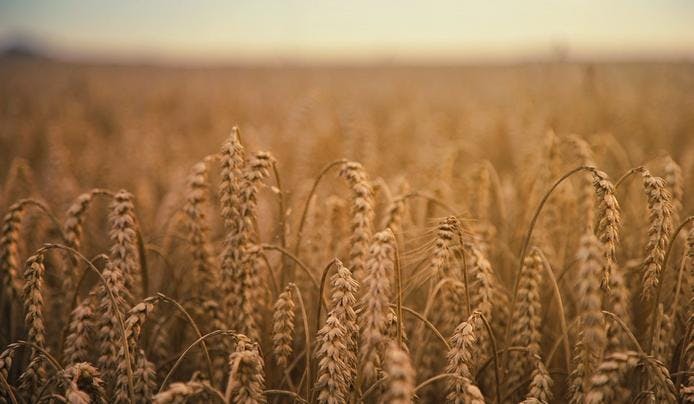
354	30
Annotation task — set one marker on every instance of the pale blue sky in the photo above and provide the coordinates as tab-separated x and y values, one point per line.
354	30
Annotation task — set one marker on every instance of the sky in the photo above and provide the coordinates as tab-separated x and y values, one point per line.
357	30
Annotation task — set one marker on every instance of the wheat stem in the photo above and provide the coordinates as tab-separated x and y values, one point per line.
307	337
185	352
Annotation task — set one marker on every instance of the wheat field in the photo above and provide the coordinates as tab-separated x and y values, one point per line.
497	234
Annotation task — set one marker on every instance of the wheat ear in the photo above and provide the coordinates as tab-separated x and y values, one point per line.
83	384
205	275
540	391
674	181
659	229
362	215
591	339
34	274
609	221
247	379
609	378
124	253
133	328
461	387
527	321
80	333
234	262
380	267
400	375
181	393
283	327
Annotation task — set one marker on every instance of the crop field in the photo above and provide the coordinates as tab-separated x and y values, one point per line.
293	234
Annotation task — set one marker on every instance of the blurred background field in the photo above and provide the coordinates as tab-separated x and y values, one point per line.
86	125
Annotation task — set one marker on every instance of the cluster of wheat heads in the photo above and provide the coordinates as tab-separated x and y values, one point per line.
363	295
